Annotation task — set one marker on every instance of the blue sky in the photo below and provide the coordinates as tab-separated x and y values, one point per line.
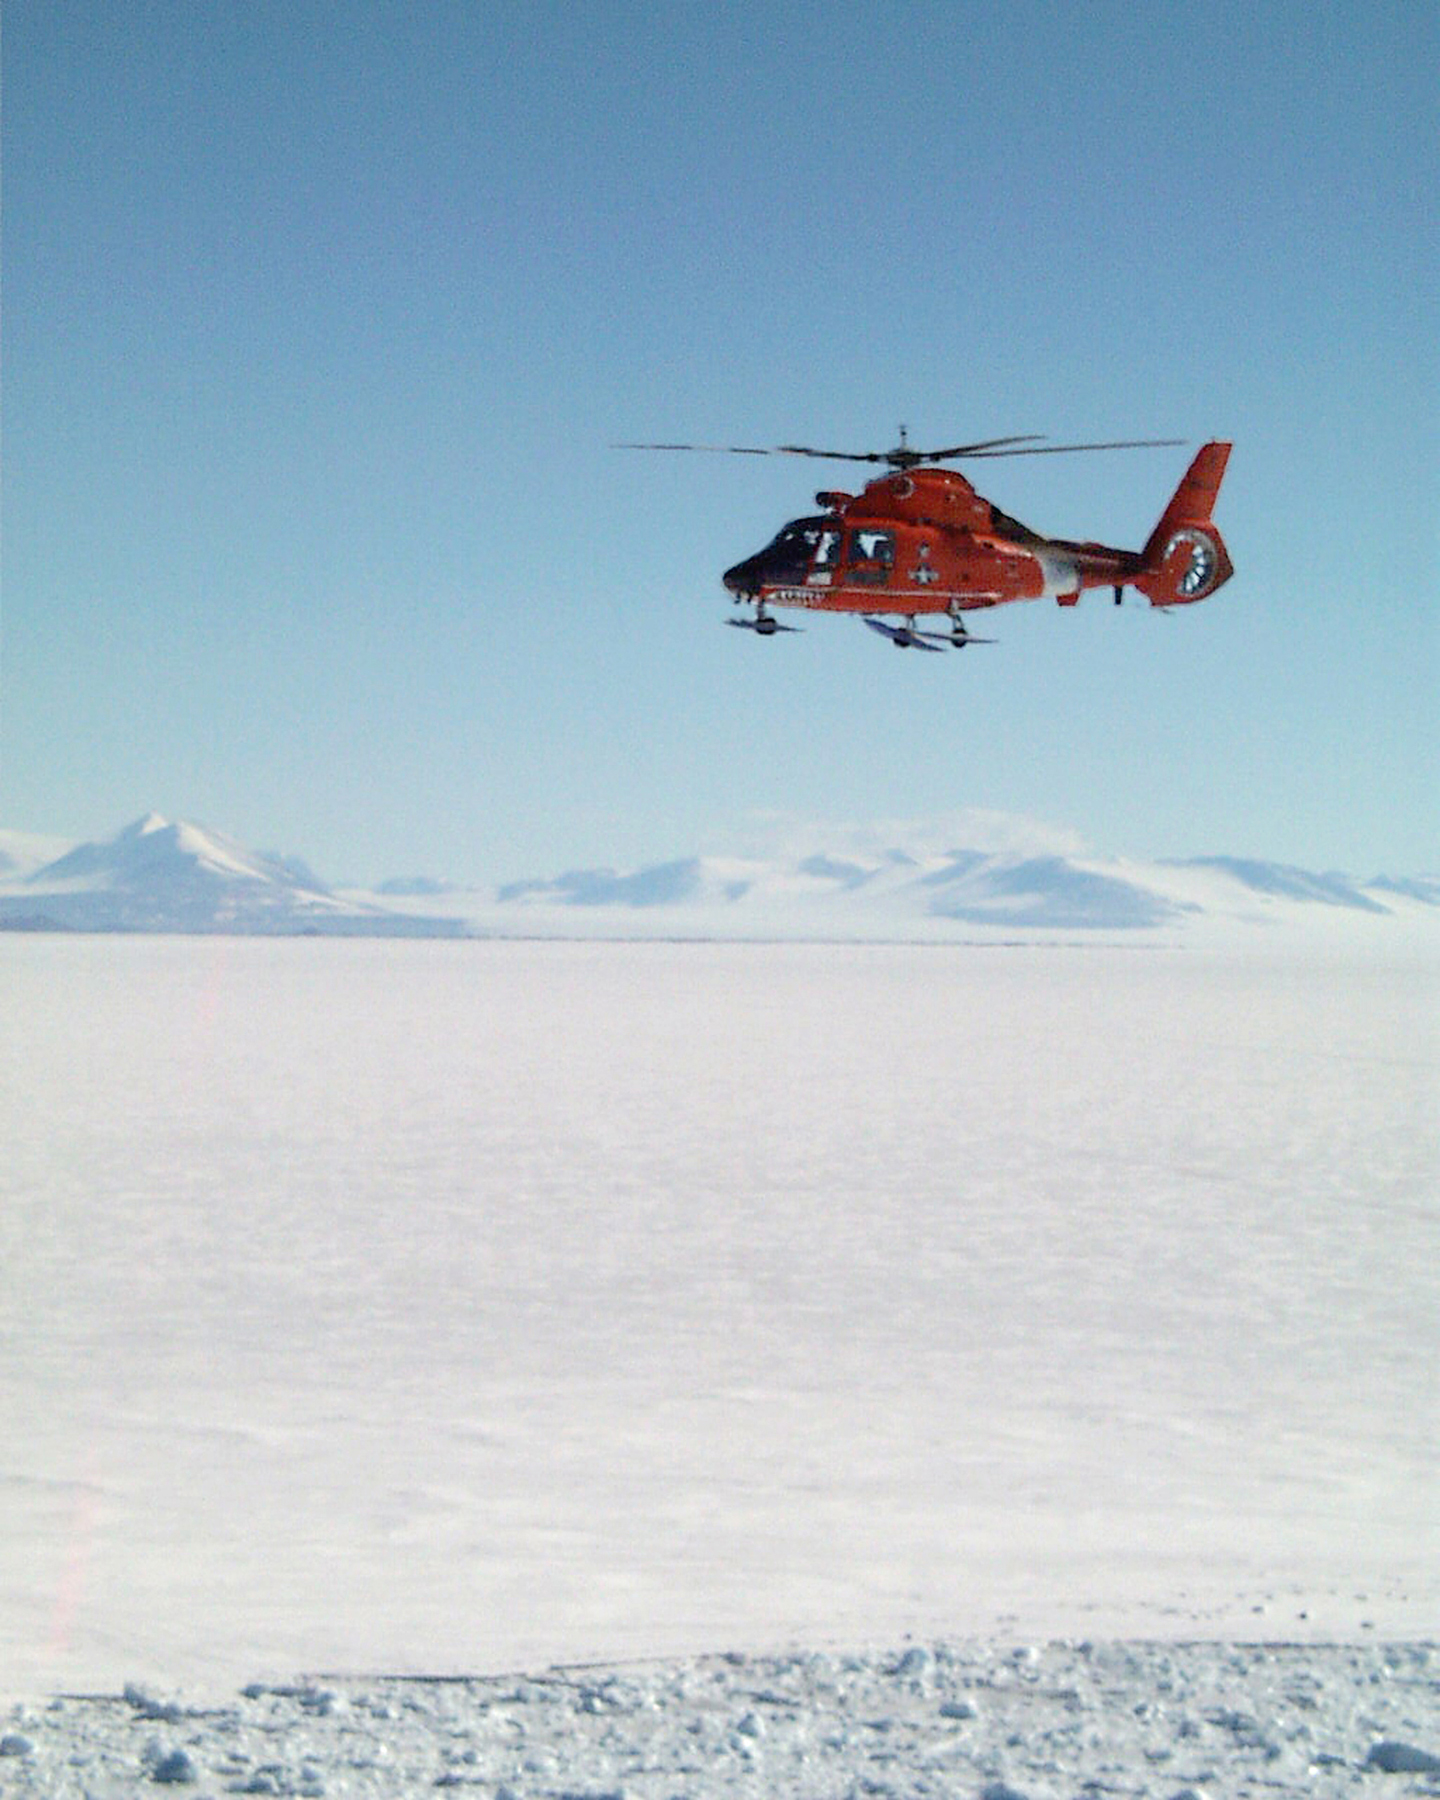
321	321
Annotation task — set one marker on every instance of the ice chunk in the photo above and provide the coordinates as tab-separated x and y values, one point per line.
1392	1758
176	1766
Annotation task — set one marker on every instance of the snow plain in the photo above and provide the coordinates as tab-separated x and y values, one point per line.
395	1308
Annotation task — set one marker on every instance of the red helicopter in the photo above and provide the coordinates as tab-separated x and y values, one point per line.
920	543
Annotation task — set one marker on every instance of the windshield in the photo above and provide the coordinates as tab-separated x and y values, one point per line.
800	535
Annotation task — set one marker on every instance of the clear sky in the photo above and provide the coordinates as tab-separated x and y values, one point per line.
321	319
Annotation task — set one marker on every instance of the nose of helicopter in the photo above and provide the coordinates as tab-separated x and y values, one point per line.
743	580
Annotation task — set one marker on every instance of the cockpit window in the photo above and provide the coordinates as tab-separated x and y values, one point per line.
869	556
827	549
873	547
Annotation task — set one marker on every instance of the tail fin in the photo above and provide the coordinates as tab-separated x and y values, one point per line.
1186	558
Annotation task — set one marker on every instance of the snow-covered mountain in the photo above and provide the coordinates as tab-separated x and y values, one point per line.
156	875
979	876
969	887
1030	890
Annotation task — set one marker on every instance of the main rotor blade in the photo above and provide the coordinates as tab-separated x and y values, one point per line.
876	456
987	445
1064	449
711	449
903	457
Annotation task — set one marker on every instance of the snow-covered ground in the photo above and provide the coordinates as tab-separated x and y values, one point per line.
394	1308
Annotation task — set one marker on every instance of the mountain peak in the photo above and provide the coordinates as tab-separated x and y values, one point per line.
160	874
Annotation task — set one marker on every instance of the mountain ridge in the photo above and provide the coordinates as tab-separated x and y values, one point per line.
161	875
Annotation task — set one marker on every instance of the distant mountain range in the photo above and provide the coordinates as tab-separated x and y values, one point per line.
160	876
1025	892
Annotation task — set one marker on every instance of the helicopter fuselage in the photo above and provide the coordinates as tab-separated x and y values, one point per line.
922	541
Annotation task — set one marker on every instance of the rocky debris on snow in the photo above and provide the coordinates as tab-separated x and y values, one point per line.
1402	1759
1170	1721
171	1767
148	1706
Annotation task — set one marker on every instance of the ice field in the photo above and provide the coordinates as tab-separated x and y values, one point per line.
377	1308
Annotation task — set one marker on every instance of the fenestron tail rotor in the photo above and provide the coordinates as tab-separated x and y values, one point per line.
905	456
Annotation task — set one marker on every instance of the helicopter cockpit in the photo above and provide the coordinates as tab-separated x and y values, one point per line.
785	559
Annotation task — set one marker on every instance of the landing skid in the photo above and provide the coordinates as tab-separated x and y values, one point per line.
910	637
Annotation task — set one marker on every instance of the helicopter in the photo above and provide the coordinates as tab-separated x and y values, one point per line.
918	542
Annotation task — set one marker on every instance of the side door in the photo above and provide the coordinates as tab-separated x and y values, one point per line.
869	556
